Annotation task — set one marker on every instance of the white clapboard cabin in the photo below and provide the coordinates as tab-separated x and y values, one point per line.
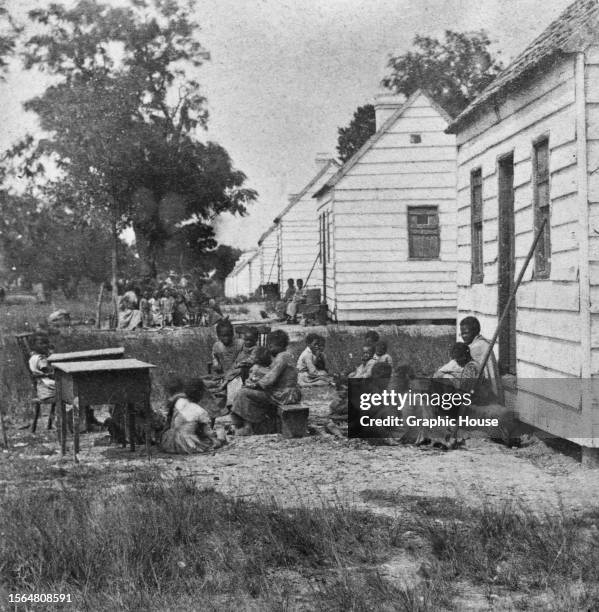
387	219
297	226
244	279
528	151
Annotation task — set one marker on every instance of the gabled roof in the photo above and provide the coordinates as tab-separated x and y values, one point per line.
297	197
573	30
245	260
267	233
355	158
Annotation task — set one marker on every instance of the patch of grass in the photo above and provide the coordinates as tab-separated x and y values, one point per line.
185	351
423	353
153	544
508	547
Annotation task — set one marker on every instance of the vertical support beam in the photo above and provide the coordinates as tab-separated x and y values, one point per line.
62	411
131	425
587	396
583	218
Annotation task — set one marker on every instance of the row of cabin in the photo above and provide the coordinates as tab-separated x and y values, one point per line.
377	235
434	218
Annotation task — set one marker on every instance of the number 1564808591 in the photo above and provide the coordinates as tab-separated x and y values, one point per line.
39	598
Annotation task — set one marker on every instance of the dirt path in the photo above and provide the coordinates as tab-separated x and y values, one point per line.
321	468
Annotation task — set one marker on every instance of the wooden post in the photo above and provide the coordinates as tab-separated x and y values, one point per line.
3	427
312	270
62	411
506	308
148	426
99	307
75	428
131	421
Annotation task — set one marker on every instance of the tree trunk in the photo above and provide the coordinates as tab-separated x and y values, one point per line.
114	274
148	254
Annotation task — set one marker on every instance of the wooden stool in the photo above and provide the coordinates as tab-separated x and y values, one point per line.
294	420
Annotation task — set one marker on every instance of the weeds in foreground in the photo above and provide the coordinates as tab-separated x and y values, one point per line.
509	547
163	546
154	544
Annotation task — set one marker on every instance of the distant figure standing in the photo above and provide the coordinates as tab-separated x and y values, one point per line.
293	305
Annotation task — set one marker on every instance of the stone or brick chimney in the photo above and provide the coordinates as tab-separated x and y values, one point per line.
385	104
322	159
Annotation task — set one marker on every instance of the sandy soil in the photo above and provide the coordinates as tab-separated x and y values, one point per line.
321	468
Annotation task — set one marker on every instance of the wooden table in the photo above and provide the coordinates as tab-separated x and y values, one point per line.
106	381
93	355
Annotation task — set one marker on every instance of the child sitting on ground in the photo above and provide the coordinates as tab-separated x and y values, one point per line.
381	355
364	370
461	372
247	355
188	427
261	367
311	365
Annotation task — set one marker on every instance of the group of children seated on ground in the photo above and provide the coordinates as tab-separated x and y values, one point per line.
166	306
250	382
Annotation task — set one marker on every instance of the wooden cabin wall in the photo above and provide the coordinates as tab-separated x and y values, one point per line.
326	206
375	278
592	111
299	236
548	311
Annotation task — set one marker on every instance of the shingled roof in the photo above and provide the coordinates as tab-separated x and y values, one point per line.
571	31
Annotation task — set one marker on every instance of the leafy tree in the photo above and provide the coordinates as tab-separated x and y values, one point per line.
53	245
453	71
8	32
123	122
360	129
222	260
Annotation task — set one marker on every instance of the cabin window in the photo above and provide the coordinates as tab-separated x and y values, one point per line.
476	208
542	208
415	138
423	232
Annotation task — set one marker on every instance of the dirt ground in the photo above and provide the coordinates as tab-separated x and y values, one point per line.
321	468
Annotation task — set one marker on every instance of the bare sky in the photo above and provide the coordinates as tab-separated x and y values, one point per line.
285	74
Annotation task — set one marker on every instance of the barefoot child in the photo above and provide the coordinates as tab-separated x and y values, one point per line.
188	427
310	365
